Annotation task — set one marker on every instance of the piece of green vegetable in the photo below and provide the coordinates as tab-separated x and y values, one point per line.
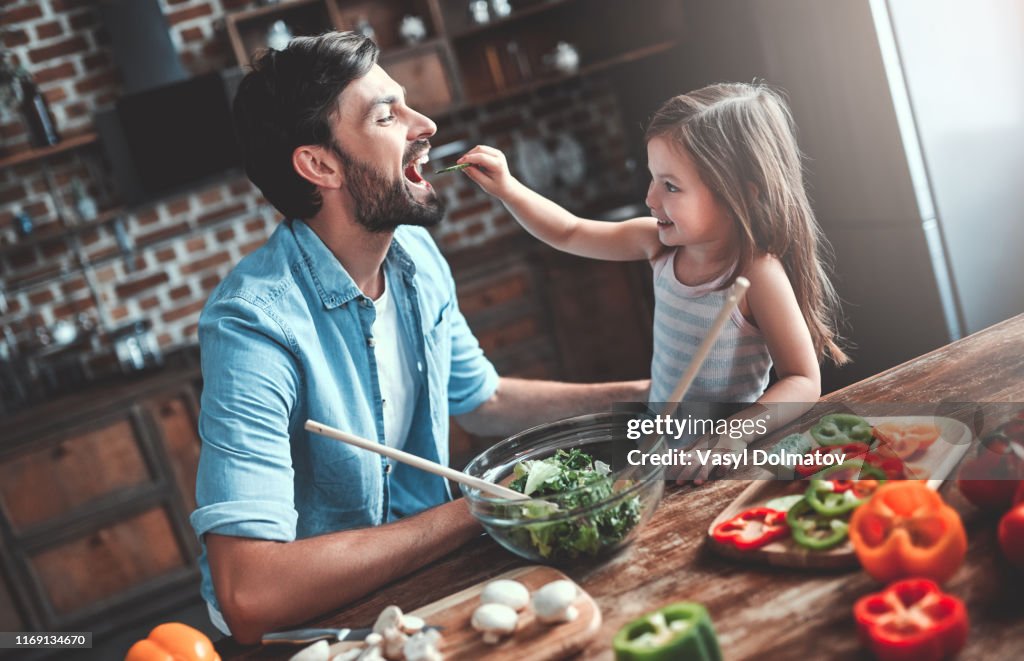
813	530
842	428
678	632
453	168
578	481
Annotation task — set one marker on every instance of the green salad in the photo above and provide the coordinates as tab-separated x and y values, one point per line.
578	481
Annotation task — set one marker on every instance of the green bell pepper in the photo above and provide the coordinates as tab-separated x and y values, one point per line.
813	530
678	632
842	428
824	496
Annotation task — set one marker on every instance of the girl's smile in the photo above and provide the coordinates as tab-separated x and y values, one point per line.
687	211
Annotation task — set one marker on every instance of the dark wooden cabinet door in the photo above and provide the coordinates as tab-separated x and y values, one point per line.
46	482
101	565
176	417
10	618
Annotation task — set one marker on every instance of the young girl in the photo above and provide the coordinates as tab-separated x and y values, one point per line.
727	199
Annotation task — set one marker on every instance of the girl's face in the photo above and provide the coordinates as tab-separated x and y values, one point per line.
688	212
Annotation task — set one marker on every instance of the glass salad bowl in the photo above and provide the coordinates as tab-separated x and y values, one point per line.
585	500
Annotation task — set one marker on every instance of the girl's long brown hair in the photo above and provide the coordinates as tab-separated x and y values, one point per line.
742	139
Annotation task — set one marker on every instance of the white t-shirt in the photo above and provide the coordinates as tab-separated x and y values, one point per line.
394	370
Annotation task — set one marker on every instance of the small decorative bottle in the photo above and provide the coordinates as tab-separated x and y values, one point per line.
85	205
36	112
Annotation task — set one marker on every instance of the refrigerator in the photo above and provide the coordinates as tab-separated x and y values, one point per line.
911	116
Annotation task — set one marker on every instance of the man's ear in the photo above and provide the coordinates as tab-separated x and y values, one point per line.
318	166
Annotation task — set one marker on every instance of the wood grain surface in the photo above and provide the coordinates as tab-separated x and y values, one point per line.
532	639
764	612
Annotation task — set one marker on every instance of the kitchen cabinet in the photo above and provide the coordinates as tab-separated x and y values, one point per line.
542	314
95	493
465	61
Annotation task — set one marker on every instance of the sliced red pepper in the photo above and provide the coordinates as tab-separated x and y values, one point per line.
890	464
912	619
851	450
752	528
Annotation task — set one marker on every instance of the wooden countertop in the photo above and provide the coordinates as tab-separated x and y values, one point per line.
762	612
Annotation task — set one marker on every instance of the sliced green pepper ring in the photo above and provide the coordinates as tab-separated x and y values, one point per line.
813	530
823	496
682	630
842	428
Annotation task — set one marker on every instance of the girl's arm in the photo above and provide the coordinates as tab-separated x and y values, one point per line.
624	241
775	310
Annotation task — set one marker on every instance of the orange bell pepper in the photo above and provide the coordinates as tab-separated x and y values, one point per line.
907	530
173	641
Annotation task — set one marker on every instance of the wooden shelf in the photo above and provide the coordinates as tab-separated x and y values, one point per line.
67	144
537	83
46	236
516	16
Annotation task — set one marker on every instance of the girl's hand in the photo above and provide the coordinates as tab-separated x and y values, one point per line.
490	171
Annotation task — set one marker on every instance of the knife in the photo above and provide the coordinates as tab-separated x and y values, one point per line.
305	636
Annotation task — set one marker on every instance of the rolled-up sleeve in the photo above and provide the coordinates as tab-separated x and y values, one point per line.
245	481
473	378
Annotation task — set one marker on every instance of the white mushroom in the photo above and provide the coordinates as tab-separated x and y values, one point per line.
394	643
373	639
371	653
494	621
412	624
508	593
348	655
316	652
553	602
389	618
423	646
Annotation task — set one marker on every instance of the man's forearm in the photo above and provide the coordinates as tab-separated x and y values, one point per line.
522	403
263	585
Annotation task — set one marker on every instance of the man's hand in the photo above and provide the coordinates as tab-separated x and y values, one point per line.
263	585
710	446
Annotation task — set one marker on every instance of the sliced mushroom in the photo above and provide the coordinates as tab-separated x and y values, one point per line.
553	603
318	651
411	624
423	646
508	593
494	621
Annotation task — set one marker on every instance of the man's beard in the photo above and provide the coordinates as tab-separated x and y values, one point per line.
381	203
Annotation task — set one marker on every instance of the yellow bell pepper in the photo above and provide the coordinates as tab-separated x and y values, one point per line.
173	641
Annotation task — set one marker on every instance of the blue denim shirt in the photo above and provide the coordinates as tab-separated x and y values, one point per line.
287	337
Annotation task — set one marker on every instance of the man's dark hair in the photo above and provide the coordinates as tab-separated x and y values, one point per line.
288	100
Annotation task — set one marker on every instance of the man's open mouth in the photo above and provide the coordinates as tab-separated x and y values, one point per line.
413	170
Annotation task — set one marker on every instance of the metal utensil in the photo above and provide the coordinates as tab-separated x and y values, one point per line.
306	636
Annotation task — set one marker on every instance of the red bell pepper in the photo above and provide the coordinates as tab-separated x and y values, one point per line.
851	450
990	479
1011	534
890	464
912	619
752	528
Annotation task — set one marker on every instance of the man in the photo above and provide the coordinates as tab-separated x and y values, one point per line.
348	316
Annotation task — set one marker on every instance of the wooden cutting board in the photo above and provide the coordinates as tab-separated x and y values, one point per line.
532	640
939	461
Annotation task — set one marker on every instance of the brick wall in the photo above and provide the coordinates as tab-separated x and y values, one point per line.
184	245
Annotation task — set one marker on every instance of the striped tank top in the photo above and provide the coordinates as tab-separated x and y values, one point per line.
737	368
